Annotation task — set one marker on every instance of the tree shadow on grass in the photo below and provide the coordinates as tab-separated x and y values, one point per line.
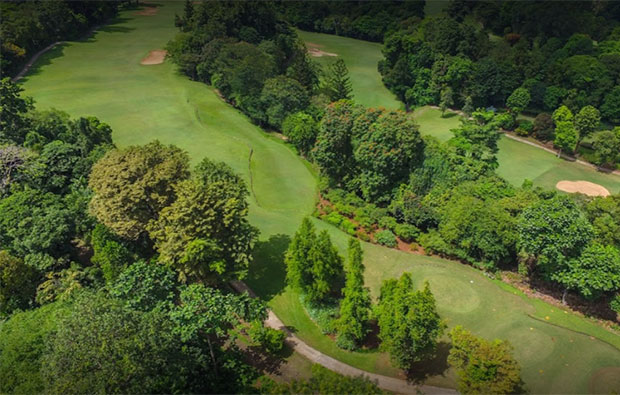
437	365
266	362
267	276
44	60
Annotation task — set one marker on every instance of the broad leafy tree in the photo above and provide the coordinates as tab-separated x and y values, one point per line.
134	184
301	130
282	96
594	272
204	233
551	232
587	120
518	100
483	366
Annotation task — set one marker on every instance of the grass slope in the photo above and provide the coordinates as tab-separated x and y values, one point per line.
361	58
102	76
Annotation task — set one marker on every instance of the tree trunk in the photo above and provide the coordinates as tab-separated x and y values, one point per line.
564	296
212	356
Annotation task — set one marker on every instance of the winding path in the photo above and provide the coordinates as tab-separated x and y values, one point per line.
387	383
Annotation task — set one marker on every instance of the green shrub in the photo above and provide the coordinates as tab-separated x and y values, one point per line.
354	200
272	340
348	227
526	125
386	238
433	242
521	132
324	314
505	121
334	218
387	222
336	196
407	232
345	209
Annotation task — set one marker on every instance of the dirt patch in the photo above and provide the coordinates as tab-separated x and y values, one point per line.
585	187
605	380
156	56
147	11
313	50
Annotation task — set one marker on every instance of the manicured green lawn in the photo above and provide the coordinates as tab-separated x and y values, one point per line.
519	161
361	58
102	77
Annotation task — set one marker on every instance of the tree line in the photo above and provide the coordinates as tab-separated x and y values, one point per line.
523	56
28	26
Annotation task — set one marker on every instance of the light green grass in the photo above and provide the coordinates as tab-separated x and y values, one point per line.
519	161
361	58
102	77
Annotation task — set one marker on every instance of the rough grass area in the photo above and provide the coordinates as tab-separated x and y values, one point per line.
102	76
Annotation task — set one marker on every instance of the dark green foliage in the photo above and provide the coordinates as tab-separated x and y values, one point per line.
145	285
281	97
28	27
13	121
323	381
272	340
37	226
204	233
551	232
103	346
386	238
594	272
483	366
110	253
352	325
610	109
239	50
606	146
409	325
333	151
23	343
604	214
337	83
17	284
301	130
543	127
313	264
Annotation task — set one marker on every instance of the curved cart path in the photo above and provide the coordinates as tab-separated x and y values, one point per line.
387	383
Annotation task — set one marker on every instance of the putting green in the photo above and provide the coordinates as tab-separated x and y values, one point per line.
102	76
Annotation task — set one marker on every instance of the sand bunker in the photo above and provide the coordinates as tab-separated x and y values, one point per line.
148	11
154	57
313	50
585	187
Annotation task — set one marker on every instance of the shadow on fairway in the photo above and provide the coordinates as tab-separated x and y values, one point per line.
115	26
44	60
267	276
435	366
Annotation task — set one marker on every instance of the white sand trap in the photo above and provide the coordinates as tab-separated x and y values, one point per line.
313	50
156	56
585	187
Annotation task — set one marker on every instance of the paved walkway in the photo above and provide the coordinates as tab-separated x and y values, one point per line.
387	383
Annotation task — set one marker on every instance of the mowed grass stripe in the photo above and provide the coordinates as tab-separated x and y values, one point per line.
102	77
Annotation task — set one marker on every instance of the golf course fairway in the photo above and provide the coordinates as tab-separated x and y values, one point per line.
102	76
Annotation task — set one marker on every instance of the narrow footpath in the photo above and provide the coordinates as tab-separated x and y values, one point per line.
387	383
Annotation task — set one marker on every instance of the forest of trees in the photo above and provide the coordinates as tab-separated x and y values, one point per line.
28	26
100	263
125	254
523	56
